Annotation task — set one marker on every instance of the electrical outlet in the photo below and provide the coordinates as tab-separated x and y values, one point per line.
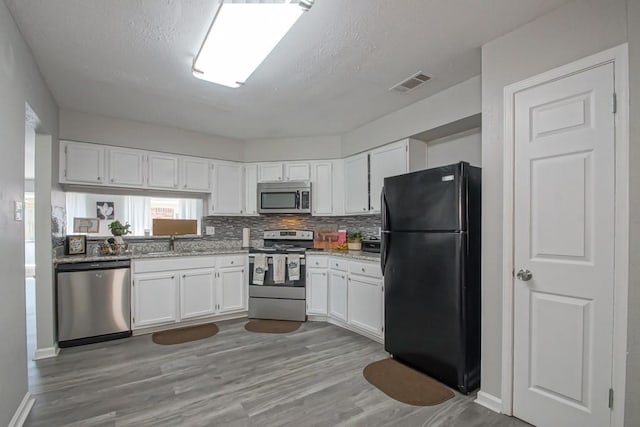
210	230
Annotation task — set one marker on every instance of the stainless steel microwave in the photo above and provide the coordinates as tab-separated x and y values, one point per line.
284	197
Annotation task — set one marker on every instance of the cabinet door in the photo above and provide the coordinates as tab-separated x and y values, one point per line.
226	191
83	163
231	289
386	161
321	188
356	190
155	299
126	167
197	293
364	309
338	295
297	172
195	174
269	172
162	171
317	291
251	189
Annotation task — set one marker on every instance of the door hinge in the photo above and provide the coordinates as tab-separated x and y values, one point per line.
610	398
65	149
65	173
614	103
133	320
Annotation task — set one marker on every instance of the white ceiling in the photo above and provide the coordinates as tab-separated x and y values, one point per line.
132	59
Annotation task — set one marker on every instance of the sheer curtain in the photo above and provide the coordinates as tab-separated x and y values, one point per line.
190	209
137	211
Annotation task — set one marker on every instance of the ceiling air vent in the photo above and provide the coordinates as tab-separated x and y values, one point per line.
412	82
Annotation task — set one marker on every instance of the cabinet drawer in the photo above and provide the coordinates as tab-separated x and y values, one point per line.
231	261
173	264
365	269
317	262
338	264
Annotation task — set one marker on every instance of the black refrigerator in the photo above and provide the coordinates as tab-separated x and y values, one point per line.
430	257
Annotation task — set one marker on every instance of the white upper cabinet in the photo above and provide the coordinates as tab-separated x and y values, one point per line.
269	172
356	185
251	189
227	189
322	188
297	172
194	174
126	167
162	170
386	161
82	163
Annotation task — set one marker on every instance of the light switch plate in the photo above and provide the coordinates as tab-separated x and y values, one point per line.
210	230
18	210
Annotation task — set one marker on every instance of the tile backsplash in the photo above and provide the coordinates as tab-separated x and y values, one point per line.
230	227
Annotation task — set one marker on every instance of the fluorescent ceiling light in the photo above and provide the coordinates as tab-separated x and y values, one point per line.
241	37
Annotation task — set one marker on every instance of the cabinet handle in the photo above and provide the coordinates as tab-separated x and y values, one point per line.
231	262
363	269
343	277
173	277
111	179
99	179
184	276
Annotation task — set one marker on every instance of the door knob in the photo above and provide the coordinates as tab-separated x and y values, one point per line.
524	275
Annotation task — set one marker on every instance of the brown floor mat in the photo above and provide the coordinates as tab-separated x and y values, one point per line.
182	335
272	326
405	384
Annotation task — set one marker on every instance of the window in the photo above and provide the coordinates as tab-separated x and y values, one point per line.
138	211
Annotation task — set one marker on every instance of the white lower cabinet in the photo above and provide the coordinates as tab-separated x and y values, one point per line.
197	293
171	290
317	286
154	299
338	295
365	303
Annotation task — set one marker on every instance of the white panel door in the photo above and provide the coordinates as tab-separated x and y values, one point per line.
564	237
155	299
297	172
364	309
390	160
338	295
126	167
356	184
162	170
251	189
197	293
322	188
227	189
194	174
317	291
84	163
231	289
268	172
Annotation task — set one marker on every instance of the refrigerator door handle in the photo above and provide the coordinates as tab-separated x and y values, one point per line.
384	243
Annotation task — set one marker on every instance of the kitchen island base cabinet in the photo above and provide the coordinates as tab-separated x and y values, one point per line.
197	293
154	299
365	304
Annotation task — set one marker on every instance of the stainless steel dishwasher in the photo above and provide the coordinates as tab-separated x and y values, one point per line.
93	302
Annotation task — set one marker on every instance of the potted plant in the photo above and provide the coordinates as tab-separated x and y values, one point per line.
117	229
354	241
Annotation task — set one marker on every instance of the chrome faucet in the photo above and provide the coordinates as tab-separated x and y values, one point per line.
172	242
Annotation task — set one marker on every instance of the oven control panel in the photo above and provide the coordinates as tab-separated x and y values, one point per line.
289	234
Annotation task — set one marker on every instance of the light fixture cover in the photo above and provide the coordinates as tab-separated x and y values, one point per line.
240	38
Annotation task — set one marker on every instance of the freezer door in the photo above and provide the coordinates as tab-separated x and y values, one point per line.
428	200
428	309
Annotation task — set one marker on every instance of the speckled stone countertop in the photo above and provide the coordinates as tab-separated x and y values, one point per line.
359	255
164	254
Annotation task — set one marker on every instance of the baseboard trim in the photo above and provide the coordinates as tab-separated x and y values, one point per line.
23	410
46	353
489	401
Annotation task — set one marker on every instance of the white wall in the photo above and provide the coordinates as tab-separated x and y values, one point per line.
464	146
452	104
303	148
20	82
573	31
99	129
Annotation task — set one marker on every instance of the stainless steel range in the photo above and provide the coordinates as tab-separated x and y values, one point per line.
277	275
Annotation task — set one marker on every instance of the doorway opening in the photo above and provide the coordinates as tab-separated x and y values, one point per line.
28	212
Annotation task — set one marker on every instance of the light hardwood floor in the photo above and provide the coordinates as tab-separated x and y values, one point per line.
312	377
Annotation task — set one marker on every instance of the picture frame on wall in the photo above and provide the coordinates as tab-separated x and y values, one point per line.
75	245
86	225
105	210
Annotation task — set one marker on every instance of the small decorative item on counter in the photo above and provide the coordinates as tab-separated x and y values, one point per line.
342	237
354	241
117	229
75	245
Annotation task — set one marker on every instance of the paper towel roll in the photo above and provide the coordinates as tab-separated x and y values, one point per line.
245	237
